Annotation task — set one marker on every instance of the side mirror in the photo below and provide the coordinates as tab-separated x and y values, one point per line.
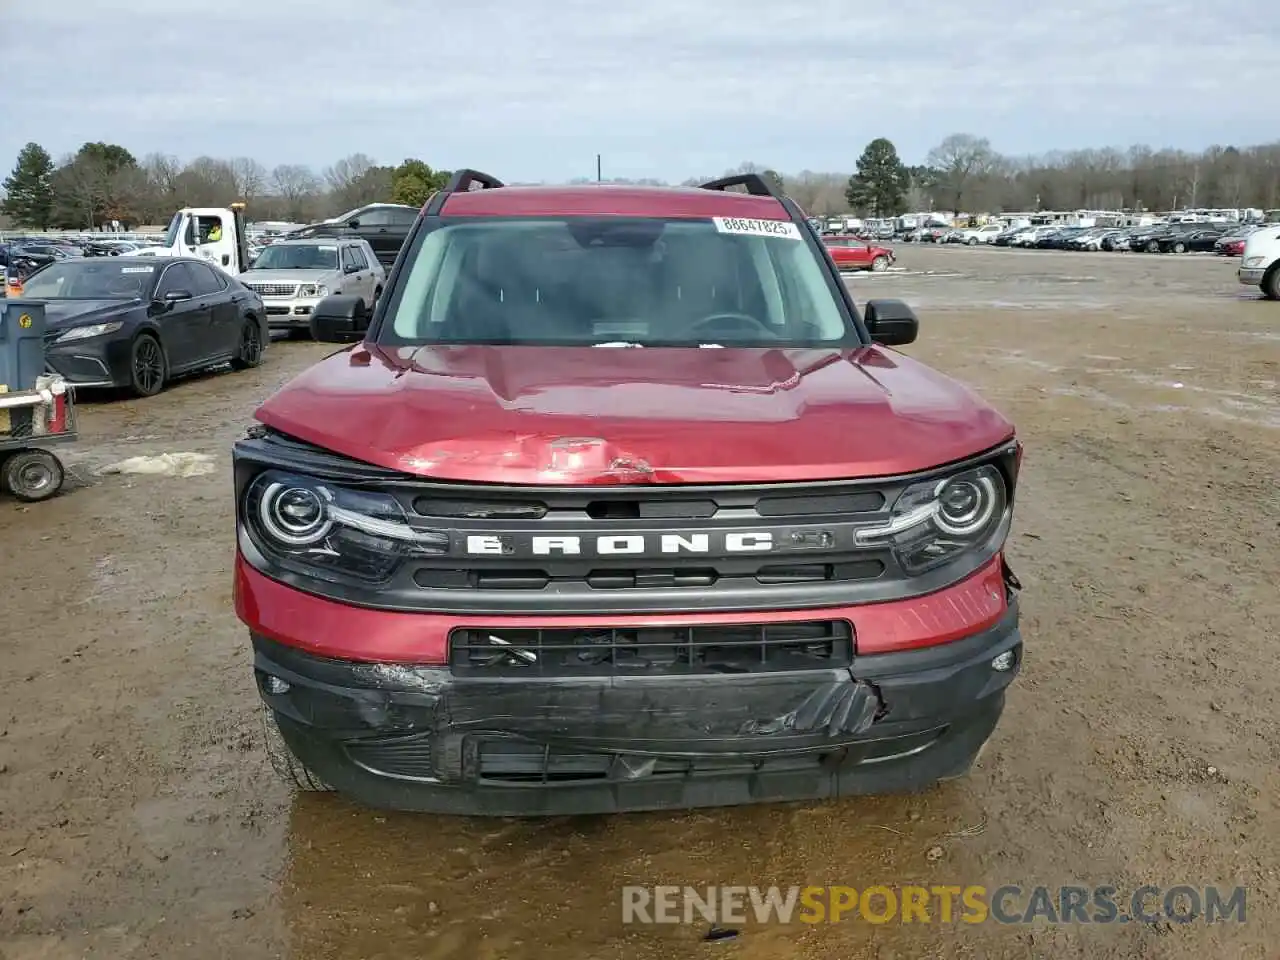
354	224
339	319
891	322
351	268
174	296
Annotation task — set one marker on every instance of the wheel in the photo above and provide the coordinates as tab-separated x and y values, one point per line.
148	366
287	767
32	475
249	353
973	241
1271	283
1153	246
880	264
1179	247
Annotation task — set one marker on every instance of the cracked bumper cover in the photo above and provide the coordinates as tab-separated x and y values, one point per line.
422	738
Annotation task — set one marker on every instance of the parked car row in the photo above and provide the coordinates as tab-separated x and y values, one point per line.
1225	239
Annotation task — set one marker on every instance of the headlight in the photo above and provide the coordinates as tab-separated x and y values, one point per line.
94	330
334	532
1253	261
313	290
935	522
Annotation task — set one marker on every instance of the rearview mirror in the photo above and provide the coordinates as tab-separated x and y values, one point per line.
339	319
173	296
891	322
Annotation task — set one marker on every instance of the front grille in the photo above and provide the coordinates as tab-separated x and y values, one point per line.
809	526
698	649
274	311
274	289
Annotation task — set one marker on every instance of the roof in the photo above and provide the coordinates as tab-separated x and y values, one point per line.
313	241
611	200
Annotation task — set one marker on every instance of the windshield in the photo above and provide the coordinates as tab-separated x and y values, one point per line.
298	256
587	281
89	280
171	235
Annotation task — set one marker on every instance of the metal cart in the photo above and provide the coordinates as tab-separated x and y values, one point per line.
36	408
31	422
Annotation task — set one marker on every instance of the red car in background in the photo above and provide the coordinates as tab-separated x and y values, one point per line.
1232	248
853	253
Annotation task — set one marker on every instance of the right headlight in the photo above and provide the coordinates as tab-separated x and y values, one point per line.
937	521
331	531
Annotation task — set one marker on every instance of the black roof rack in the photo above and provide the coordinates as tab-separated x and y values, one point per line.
460	182
756	185
759	186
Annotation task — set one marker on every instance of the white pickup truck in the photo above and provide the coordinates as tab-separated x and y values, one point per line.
1260	263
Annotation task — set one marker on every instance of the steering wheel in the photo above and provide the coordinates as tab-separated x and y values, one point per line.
740	320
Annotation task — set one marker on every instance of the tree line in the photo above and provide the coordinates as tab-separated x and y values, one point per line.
104	182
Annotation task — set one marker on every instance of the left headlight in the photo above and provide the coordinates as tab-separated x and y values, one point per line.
93	330
329	531
313	290
936	522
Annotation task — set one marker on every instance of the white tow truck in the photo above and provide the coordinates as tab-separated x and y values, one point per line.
216	234
1260	262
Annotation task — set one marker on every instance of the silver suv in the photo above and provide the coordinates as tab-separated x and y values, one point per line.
292	276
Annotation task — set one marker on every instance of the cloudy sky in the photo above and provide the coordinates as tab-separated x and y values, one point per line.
533	89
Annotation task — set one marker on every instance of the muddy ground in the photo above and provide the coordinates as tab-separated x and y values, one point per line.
138	816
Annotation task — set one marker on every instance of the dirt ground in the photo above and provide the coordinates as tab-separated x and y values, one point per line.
139	818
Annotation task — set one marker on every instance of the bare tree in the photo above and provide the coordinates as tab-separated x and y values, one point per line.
347	171
293	183
958	161
249	177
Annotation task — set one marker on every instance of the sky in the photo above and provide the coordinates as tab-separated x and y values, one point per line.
532	90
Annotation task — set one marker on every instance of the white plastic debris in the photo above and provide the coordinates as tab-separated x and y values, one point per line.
181	465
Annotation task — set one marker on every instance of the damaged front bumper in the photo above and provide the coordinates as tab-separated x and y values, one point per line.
428	739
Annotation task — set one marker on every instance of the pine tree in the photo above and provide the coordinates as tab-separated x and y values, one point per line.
881	183
29	189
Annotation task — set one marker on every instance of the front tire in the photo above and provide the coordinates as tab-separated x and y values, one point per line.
287	766
1179	247
32	475
148	366
879	264
1270	285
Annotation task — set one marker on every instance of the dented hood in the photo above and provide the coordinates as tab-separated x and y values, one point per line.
548	415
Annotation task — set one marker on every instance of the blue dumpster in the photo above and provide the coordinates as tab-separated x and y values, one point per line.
22	326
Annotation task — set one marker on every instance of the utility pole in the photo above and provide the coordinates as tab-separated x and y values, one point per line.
599	176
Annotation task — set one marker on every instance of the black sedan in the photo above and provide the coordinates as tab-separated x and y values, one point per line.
136	322
1182	241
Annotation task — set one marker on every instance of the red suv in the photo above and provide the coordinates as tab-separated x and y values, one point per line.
617	502
852	253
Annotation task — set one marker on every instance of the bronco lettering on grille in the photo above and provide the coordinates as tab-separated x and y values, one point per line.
744	541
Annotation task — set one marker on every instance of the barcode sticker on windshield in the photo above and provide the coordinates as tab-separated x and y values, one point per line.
757	228
137	269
